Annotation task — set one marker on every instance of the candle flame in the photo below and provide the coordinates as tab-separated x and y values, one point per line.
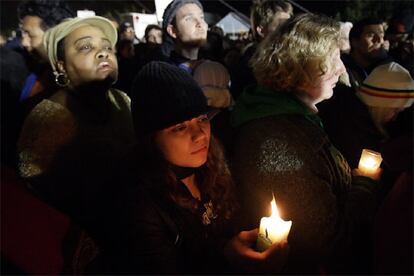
272	229
370	162
275	211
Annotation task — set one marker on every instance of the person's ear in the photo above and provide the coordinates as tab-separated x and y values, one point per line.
172	31
61	67
61	77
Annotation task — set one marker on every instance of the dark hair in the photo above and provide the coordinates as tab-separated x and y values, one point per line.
213	177
60	51
149	28
403	22
170	11
263	11
124	26
359	26
52	12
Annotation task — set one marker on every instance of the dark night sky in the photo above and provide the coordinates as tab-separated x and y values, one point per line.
9	16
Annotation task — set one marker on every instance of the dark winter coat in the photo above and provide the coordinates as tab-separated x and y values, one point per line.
349	125
281	148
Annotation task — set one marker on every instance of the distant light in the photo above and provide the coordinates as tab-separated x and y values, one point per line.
85	13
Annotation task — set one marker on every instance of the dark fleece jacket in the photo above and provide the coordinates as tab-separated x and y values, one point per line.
281	148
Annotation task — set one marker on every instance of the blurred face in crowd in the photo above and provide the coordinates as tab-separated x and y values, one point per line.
2	40
371	43
186	144
190	26
322	88
128	34
32	35
344	45
278	19
392	114
385	115
154	36
88	57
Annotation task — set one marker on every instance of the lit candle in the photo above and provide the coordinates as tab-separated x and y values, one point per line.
369	162
272	229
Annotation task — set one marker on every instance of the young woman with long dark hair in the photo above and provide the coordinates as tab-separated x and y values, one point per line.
178	209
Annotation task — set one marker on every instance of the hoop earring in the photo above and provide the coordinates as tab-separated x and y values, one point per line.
61	79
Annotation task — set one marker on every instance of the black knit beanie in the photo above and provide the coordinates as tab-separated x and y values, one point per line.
164	95
173	7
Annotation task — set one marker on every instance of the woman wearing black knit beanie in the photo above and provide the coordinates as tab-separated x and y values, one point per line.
178	210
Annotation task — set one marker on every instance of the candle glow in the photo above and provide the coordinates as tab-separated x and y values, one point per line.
272	229
369	162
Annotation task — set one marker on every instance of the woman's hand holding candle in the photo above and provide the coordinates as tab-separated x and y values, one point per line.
241	254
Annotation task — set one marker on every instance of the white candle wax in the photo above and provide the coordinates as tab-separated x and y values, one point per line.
272	229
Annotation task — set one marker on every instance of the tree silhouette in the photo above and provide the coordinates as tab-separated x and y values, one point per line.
355	10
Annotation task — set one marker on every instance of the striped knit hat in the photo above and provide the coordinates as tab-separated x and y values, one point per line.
389	85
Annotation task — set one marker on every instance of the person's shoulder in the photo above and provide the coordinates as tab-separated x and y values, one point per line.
115	91
50	111
293	131
276	123
275	130
119	96
50	121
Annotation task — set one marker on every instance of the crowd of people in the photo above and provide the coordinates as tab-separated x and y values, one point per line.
160	156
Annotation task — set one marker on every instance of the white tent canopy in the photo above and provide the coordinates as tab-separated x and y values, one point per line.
233	24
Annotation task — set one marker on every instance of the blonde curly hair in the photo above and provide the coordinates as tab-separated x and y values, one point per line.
297	53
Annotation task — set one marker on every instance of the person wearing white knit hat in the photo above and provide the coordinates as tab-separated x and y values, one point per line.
214	80
387	91
363	118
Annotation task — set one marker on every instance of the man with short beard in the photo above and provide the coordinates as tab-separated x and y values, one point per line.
367	50
185	31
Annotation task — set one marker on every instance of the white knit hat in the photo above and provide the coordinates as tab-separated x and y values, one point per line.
214	80
389	85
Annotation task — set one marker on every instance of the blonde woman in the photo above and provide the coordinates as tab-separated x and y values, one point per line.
281	148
